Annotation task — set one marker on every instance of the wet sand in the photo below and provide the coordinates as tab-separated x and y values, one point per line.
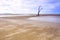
15	28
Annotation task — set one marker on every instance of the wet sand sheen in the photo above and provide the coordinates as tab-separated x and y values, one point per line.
11	29
46	19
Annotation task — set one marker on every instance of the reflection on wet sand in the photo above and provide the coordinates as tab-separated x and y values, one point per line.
11	29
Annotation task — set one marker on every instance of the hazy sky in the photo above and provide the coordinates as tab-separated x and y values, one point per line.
29	6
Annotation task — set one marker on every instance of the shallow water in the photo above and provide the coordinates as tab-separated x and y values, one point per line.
46	18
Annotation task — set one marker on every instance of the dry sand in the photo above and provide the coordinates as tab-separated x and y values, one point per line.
21	29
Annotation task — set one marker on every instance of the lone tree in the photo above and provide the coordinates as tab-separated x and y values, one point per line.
39	10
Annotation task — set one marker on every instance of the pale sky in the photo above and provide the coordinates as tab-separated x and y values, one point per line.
29	6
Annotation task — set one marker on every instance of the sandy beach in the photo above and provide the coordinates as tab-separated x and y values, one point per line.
18	28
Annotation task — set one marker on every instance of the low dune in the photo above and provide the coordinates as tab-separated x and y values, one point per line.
18	28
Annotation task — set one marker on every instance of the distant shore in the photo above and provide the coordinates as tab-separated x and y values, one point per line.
34	14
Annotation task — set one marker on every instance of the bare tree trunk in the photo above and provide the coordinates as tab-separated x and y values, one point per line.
38	13
39	10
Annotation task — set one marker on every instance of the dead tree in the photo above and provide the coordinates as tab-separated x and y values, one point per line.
39	10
